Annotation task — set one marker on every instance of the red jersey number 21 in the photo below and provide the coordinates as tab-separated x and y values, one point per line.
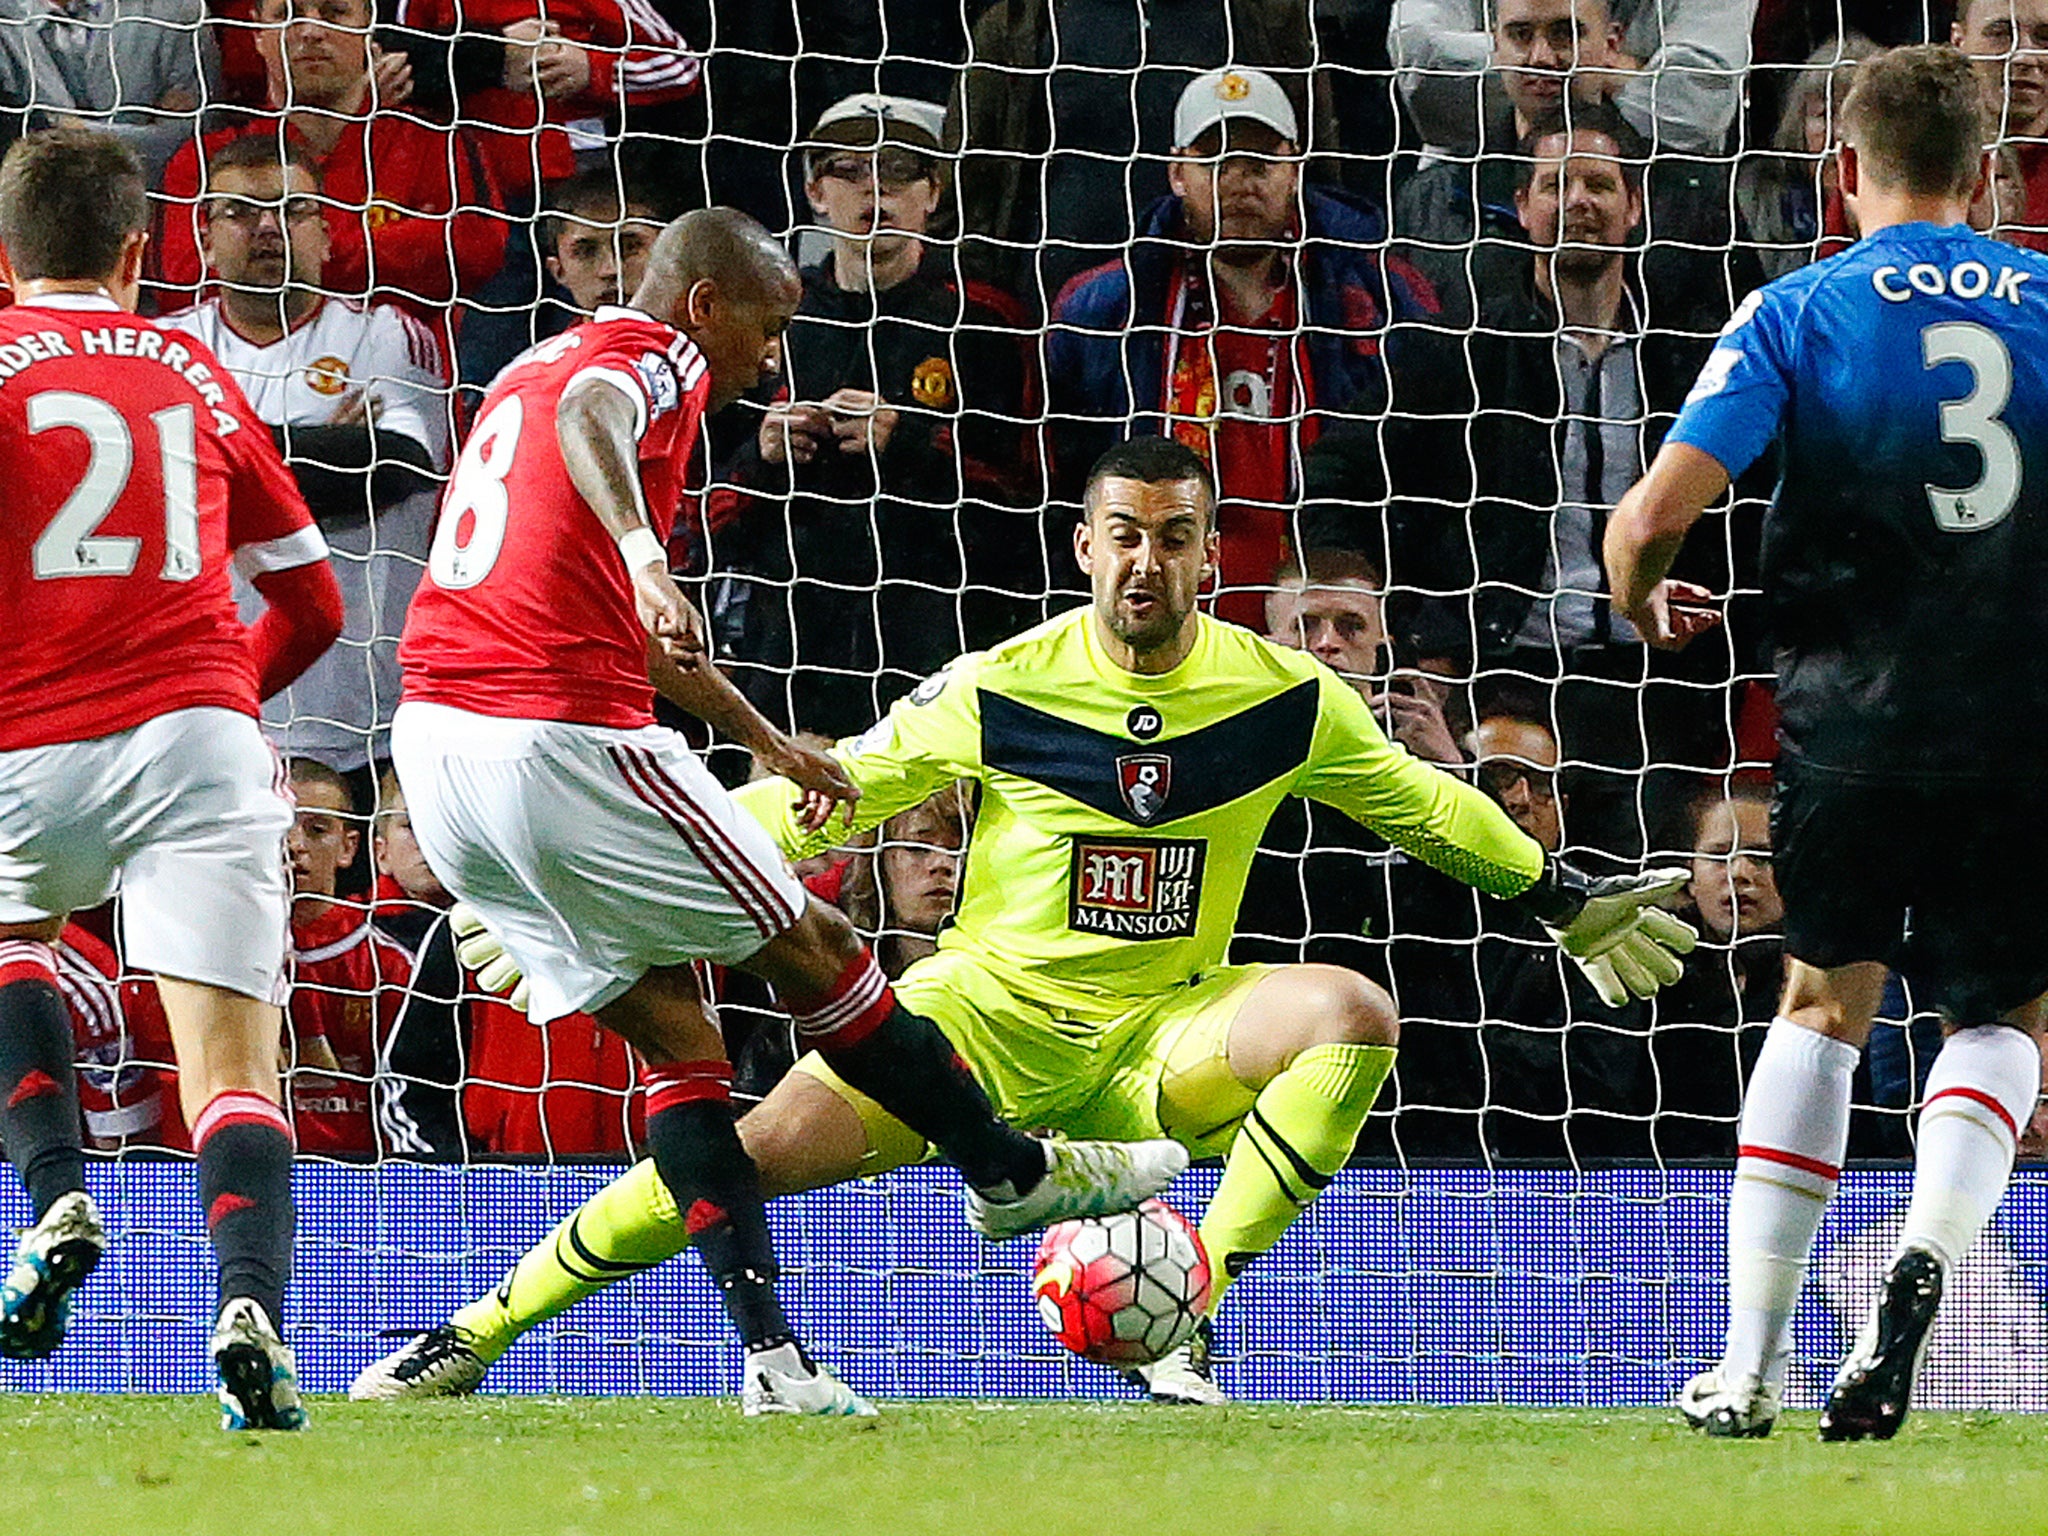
71	544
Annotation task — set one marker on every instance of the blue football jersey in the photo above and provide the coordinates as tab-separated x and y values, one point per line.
1905	555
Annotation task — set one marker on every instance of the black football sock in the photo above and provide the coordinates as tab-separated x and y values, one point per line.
904	1063
245	1187
697	1152
39	1124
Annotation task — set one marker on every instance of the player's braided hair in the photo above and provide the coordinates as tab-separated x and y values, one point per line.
1916	118
69	200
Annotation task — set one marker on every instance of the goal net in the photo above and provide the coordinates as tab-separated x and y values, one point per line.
1422	282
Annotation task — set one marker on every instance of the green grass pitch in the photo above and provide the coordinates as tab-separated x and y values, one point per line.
160	1467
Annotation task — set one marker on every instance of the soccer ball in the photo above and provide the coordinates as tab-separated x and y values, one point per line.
1123	1290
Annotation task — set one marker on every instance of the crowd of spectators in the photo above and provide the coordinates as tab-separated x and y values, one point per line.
1425	281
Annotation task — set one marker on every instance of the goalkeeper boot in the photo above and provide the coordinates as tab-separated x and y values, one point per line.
782	1380
52	1260
1187	1376
259	1378
1082	1178
1875	1386
1739	1409
442	1362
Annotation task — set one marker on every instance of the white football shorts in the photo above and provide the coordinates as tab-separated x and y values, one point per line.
186	814
595	854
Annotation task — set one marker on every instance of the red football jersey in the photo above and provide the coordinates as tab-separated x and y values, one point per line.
127	1081
526	610
636	58
348	985
408	208
133	468
569	1088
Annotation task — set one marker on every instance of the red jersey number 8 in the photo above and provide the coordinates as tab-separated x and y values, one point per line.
472	527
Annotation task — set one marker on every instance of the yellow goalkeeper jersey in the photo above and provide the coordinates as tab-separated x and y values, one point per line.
1119	812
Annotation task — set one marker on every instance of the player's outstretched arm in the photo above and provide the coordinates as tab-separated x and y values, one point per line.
277	547
280	550
302	616
1644	536
924	743
708	693
1614	930
1425	812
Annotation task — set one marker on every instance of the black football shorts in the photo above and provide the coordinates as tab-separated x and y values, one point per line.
1947	882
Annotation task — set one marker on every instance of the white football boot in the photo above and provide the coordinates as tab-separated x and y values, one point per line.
1744	1409
259	1376
52	1260
783	1380
1082	1178
442	1362
1186	1377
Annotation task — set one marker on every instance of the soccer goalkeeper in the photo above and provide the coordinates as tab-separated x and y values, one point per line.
1129	755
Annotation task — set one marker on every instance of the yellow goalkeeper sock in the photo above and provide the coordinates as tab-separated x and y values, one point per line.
629	1225
1298	1133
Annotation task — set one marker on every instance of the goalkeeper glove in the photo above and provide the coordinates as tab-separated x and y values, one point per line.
1613	928
481	951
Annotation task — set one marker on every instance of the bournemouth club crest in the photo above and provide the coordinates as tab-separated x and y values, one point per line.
1145	778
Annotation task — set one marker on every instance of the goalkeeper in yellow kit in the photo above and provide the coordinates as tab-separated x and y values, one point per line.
1128	755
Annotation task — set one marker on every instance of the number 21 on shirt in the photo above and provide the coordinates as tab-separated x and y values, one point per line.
72	545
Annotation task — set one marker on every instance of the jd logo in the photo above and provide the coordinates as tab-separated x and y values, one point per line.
1146	778
1144	722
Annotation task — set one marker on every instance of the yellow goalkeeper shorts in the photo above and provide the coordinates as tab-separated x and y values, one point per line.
1161	1068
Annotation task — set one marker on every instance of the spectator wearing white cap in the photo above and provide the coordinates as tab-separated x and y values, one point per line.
870	490
1063	115
1246	311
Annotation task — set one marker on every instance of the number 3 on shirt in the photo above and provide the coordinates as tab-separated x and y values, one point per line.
472	527
1973	419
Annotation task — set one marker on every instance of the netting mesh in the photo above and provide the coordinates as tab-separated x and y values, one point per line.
1422	351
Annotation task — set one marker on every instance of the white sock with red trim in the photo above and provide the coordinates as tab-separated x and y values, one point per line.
1794	1134
1979	1094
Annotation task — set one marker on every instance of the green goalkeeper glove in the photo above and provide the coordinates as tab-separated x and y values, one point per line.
481	951
1614	929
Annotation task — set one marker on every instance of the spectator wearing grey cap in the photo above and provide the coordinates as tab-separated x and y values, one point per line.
1246	311
870	498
